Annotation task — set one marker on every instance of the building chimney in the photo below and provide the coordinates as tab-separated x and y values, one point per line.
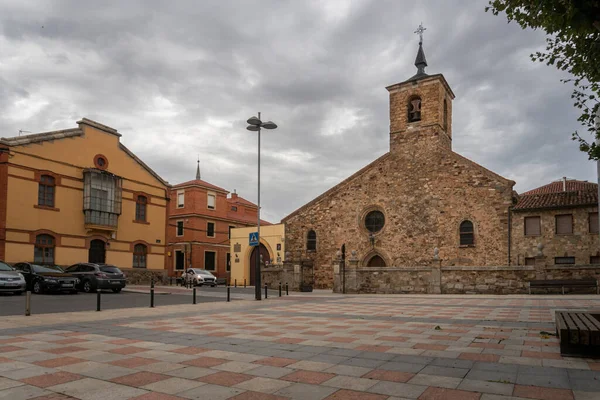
234	194
564	183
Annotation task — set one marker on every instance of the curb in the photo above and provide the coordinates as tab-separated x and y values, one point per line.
144	292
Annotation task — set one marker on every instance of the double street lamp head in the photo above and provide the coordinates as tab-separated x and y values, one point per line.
254	124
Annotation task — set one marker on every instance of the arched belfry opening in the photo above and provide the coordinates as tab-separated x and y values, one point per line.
414	109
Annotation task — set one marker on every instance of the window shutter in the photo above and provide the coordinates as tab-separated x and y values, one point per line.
593	222
532	226
211	201
564	224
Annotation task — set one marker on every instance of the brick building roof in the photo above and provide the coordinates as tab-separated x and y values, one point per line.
200	182
560	194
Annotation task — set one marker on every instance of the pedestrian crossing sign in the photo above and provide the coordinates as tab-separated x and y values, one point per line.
253	239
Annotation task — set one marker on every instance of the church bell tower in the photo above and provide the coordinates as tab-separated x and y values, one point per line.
421	106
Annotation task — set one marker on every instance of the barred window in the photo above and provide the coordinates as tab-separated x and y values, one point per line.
210	229
467	236
43	252
139	256
101	198
140	208
564	260
311	240
46	191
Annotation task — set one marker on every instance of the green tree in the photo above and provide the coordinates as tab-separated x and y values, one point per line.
573	46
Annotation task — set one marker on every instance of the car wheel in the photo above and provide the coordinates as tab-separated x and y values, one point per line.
117	290
87	287
37	287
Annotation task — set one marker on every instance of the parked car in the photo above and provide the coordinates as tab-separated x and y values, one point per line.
50	278
93	277
199	277
11	280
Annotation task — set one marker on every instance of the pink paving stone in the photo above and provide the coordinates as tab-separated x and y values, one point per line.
428	346
338	339
156	396
364	332
267	333
133	362
189	350
541	354
392	376
487	345
69	341
345	394
221	334
14	340
594	366
542	393
479	357
48	380
127	350
63	350
275	361
205	362
58	362
225	378
444	337
310	377
140	379
433	393
7	349
367	347
249	395
317	333
5	360
289	340
69	334
122	341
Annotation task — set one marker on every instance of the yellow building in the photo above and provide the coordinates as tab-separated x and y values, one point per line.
243	259
79	195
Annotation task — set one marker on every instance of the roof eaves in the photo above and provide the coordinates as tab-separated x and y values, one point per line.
42	137
143	164
98	125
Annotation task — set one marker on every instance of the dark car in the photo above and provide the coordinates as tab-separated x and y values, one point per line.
11	280
98	276
42	278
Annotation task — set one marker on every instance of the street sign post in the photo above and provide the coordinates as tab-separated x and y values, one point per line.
253	239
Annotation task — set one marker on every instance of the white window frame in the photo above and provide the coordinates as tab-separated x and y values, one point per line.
214	196
181	194
177	228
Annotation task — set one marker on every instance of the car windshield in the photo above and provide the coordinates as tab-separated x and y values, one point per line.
5	267
111	269
46	268
203	272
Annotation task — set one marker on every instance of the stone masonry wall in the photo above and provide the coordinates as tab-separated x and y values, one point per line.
581	244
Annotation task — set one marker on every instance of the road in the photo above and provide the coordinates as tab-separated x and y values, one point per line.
55	303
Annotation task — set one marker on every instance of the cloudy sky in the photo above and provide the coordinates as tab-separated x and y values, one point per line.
180	78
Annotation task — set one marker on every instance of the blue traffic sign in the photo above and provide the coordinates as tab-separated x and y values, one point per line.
253	239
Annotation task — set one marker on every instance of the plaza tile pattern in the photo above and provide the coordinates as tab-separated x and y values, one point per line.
302	347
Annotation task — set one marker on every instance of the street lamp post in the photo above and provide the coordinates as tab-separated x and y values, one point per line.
255	124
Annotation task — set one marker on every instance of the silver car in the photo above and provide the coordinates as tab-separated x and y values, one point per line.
11	280
199	277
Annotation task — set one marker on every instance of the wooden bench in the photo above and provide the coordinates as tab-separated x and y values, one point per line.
569	283
579	333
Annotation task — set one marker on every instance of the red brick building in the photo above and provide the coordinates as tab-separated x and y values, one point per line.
200	218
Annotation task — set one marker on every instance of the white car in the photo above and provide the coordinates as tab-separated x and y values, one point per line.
199	277
11	280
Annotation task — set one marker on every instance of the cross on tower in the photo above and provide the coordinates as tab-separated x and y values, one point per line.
420	31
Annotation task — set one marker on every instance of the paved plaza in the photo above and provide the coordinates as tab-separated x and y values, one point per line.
315	346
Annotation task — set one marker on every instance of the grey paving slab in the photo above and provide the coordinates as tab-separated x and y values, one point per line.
486	387
23	393
350	382
348	370
303	391
363	362
394	388
492	376
534	370
189	372
374	355
267	371
313	349
6	383
413	359
97	370
444	371
582	395
173	385
10	366
328	358
402	366
586	385
497	367
344	352
437	381
263	385
81	387
453	363
212	392
548	380
297	355
236	366
24	373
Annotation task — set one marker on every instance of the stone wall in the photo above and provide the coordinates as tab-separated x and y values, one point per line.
581	244
140	276
456	279
281	273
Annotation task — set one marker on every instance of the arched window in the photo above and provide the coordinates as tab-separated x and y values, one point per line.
445	115
374	221
43	252
414	109
467	236
139	256
140	208
376	261
311	240
46	191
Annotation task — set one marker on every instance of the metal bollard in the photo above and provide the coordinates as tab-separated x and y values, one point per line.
194	297
266	295
244	283
279	289
98	299
170	281
287	292
28	303
235	283
228	293
152	293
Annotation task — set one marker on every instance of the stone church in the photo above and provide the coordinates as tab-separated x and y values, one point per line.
419	198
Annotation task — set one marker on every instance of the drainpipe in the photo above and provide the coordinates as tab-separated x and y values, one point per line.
564	183
598	162
509	231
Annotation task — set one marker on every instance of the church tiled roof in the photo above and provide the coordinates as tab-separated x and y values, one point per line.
560	194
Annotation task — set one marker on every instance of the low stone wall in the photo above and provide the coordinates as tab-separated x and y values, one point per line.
456	279
140	276
282	273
